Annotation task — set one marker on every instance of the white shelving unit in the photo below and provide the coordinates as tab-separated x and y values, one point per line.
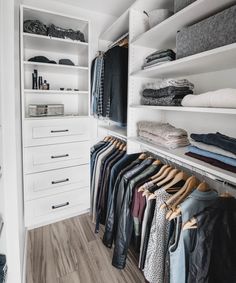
55	149
210	70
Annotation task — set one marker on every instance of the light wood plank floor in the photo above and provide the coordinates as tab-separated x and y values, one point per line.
70	252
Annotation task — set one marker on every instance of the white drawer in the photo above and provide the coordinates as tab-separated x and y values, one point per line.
41	132
43	158
56	181
57	207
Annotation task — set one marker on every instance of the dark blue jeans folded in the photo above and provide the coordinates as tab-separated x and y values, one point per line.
217	139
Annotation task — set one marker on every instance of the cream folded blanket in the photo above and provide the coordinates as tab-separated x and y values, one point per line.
222	98
212	148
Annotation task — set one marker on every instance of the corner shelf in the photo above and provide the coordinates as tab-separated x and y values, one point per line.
166	30
179	155
227	111
116	131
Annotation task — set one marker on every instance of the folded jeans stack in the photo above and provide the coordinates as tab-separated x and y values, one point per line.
216	149
162	134
158	58
168	93
222	98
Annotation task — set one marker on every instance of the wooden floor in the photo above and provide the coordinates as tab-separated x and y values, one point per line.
70	252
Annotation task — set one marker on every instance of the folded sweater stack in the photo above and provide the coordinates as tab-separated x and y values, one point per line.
216	149
222	98
168	92
162	134
158	58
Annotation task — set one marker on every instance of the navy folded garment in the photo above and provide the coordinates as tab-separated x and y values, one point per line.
217	139
212	162
161	54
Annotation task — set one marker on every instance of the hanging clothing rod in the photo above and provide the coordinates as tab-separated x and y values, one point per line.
189	167
118	40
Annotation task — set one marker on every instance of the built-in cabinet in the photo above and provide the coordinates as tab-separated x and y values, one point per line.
210	70
55	149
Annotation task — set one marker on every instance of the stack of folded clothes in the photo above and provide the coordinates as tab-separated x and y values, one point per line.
158	58
162	134
168	92
221	98
216	149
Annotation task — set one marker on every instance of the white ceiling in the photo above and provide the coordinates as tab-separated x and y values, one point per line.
111	7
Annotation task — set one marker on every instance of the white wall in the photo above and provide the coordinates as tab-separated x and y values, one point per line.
11	182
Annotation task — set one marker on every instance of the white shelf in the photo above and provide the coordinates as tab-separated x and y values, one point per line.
164	34
179	155
75	116
117	29
46	43
61	92
221	58
227	111
55	66
116	130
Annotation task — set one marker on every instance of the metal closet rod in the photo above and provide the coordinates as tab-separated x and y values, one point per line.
189	167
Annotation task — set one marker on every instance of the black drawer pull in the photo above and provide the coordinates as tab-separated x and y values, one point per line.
60	181
59	131
59	156
60	205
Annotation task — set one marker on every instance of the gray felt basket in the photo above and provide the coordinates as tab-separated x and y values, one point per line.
181	4
213	32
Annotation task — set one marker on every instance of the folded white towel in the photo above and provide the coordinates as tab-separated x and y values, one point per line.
212	148
222	98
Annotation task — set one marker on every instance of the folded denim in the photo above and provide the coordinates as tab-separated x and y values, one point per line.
222	158
157	62
212	161
219	98
163	101
222	141
167	91
213	148
160	54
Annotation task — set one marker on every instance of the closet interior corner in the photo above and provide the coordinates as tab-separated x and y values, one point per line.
126	162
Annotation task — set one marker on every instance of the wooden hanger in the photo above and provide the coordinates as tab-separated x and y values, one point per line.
142	156
226	195
169	177
203	187
124	148
163	168
178	177
190	187
156	162
178	194
191	224
162	176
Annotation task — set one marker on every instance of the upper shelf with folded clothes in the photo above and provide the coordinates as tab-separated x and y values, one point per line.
44	30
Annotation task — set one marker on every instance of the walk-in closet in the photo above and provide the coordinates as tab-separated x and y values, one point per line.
117	141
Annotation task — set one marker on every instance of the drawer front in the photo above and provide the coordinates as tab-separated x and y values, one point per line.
51	157
56	181
54	131
56	207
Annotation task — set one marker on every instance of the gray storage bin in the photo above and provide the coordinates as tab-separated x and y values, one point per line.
213	32
181	4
